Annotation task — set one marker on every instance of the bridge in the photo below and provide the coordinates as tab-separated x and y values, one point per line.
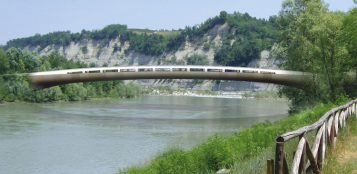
281	77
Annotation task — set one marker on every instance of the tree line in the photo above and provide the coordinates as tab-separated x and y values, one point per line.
15	86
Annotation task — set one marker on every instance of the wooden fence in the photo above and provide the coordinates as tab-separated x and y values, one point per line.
309	158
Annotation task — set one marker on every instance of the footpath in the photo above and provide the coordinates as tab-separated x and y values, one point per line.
343	159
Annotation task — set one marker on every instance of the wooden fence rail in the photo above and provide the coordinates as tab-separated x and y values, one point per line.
309	158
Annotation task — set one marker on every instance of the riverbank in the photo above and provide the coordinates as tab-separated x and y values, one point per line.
139	91
243	152
164	91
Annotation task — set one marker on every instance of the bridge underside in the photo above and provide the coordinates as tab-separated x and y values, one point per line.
294	80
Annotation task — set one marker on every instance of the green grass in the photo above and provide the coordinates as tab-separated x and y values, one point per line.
243	152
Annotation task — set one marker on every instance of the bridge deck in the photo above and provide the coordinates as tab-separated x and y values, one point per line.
283	77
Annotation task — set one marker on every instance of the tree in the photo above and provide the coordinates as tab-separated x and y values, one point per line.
4	62
197	59
45	65
2	90
31	62
15	57
116	48
350	38
84	49
350	35
238	54
312	43
74	92
223	15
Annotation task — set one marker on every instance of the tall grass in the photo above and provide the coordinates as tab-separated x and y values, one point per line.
346	143
243	152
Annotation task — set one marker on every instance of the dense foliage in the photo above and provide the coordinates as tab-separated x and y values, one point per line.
248	37
321	42
14	83
197	59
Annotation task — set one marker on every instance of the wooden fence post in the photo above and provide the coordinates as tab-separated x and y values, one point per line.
270	166
307	158
279	158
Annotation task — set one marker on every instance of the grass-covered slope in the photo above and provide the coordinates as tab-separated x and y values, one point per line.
243	152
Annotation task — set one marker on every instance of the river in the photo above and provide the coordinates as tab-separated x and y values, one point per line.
103	136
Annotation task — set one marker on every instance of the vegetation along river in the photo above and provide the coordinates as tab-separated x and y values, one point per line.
102	136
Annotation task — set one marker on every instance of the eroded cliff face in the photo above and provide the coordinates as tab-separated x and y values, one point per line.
117	53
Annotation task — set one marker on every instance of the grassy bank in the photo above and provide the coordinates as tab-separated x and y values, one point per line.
243	152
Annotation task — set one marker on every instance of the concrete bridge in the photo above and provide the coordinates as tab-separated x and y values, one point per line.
281	77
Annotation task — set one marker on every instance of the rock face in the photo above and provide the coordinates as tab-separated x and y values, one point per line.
91	52
117	53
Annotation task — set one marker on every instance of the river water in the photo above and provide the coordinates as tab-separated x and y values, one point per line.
104	136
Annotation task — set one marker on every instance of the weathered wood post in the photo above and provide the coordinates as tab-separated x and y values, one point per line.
320	153
302	160
270	166
279	157
312	160
327	129
324	142
331	128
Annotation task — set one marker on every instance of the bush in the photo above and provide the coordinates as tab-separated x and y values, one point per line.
84	49
197	59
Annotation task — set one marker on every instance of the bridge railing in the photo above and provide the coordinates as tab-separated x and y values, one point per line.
169	69
310	157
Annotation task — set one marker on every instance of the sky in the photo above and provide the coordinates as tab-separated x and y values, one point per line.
22	18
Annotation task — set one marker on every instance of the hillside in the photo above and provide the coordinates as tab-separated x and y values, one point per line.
227	39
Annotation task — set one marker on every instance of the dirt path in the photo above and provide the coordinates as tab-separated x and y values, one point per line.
343	159
348	157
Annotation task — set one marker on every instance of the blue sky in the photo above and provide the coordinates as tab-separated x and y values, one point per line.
21	18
